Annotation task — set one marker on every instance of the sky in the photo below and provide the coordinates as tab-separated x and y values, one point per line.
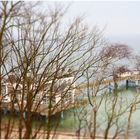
119	19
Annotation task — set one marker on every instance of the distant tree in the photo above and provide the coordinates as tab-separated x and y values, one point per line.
117	51
121	69
137	62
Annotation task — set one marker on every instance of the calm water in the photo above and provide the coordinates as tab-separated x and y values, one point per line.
69	120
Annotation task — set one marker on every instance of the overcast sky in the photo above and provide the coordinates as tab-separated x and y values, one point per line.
121	19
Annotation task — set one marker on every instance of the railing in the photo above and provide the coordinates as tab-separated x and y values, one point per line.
107	81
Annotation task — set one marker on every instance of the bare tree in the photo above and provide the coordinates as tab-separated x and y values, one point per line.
96	85
41	55
38	53
8	11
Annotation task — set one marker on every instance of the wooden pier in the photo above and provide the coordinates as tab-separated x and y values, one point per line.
43	109
107	81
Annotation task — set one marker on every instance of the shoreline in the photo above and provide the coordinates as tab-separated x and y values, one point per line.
55	135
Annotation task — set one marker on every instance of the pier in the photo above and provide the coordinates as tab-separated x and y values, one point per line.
43	109
107	81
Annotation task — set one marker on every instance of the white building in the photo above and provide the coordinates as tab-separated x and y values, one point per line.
63	90
125	74
129	73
